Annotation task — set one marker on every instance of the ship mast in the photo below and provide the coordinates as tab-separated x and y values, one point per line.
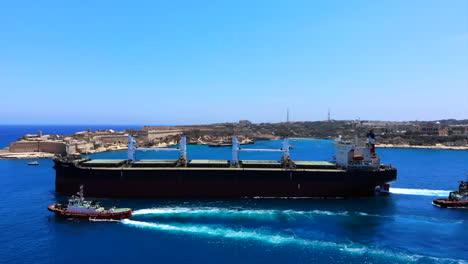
81	194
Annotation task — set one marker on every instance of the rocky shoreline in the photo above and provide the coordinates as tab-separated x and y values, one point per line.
26	155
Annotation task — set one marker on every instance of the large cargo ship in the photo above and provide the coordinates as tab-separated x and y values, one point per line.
356	172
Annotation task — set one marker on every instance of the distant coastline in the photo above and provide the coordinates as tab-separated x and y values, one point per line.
41	155
438	146
446	134
422	146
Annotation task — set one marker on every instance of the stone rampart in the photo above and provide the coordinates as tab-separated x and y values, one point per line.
38	146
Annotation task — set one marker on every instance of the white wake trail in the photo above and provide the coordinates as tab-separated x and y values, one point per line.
212	231
225	212
279	239
424	192
175	213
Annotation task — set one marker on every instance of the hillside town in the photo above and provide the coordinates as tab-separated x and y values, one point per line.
443	134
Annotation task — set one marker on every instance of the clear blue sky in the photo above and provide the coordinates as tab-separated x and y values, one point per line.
184	62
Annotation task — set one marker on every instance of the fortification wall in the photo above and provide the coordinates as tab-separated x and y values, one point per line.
38	146
117	139
83	148
53	147
24	146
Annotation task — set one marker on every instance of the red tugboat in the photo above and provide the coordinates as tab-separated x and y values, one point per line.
78	207
456	199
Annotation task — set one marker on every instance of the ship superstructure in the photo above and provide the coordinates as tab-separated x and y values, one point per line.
356	172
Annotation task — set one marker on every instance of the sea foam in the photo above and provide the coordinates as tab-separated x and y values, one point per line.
281	239
185	213
227	212
420	192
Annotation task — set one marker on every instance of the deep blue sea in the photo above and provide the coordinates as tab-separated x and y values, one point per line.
403	227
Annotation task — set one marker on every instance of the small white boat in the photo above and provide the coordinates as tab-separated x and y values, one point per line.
33	162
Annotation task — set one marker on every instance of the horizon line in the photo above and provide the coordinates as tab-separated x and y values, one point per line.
123	124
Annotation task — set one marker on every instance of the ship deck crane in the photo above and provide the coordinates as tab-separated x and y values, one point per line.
285	147
286	158
182	149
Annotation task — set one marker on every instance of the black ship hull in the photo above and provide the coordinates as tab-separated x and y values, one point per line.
181	182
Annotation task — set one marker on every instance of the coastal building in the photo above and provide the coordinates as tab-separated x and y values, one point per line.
153	136
77	147
245	123
444	132
386	127
428	128
459	130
